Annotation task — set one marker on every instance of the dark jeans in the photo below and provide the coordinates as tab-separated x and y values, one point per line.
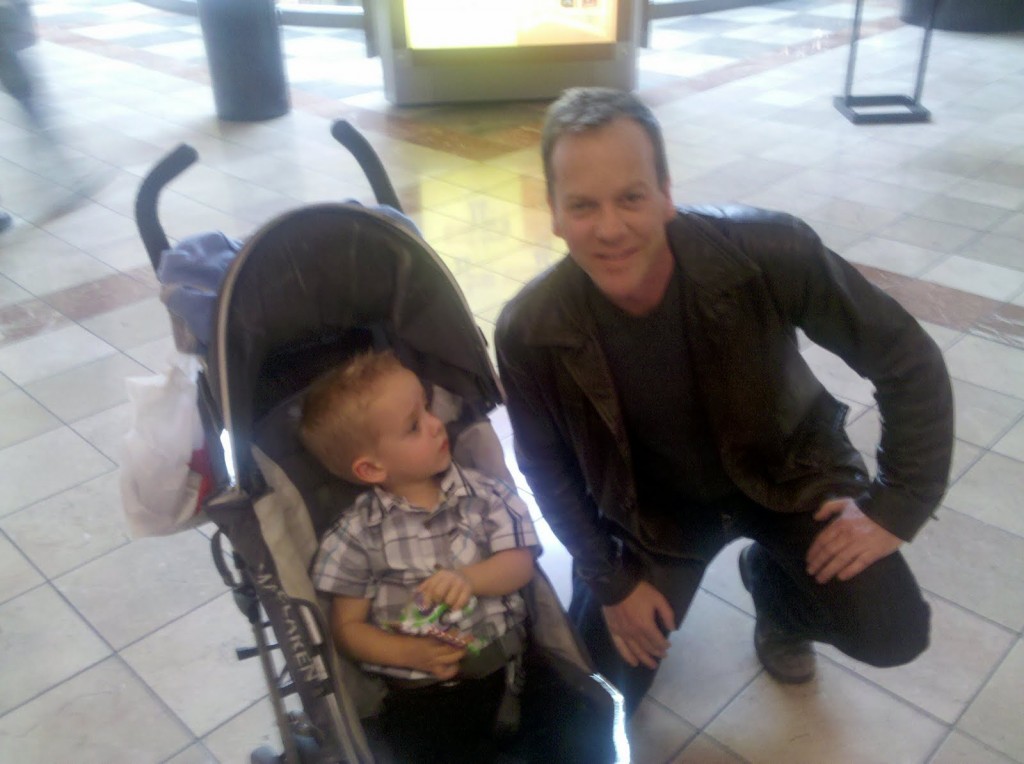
438	724
878	617
456	724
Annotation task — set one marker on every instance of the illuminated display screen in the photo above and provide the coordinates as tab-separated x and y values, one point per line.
438	24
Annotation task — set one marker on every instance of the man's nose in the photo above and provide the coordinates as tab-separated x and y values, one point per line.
436	425
610	224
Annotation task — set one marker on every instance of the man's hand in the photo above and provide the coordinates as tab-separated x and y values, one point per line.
447	587
848	544
435	657
633	624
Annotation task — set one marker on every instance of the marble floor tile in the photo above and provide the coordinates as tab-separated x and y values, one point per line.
929	234
710	660
106	430
87	389
104	715
131	325
706	750
23	418
191	665
179	576
895	256
194	754
239	736
71	528
1012	444
17	575
45	465
982	415
958	748
990	491
963	652
42	642
994	717
656	734
948	209
974	564
768	722
478	245
987	364
51	353
993	281
997	249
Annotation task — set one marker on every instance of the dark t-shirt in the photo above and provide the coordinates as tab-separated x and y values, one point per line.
677	469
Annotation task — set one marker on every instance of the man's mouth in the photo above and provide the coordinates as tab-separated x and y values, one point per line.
615	257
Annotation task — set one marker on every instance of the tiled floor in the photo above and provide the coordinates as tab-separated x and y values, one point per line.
117	651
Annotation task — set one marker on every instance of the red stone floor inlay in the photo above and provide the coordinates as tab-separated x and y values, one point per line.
90	299
1005	325
27	319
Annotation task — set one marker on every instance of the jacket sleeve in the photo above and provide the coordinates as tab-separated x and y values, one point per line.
841	311
552	468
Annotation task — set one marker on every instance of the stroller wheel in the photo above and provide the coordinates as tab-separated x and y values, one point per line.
265	755
305	746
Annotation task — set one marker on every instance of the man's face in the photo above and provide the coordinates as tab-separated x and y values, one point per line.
412	443
607	204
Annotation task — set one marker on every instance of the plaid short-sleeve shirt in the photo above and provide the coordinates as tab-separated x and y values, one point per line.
382	548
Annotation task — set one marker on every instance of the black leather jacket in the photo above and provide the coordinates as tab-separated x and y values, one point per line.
750	278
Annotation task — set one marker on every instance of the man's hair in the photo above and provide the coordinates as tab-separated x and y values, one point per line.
578	110
335	427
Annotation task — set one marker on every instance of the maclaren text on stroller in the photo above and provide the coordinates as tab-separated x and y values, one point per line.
302	294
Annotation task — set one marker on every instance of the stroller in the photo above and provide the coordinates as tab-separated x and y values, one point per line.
303	293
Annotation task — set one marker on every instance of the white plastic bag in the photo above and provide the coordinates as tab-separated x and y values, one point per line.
160	491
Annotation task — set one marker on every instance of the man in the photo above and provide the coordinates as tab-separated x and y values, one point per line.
661	409
18	78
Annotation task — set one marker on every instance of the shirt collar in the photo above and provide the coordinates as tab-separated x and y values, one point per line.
454	485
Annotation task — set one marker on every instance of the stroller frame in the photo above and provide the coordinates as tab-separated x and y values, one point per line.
267	588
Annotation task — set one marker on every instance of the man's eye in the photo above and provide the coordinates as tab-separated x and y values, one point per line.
415	426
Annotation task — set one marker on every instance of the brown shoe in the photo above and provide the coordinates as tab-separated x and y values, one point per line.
786	659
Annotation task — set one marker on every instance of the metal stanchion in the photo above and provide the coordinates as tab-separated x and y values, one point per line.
908	108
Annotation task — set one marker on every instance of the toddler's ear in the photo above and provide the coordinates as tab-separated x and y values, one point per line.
368	471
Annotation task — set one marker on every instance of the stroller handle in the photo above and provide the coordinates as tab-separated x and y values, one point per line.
345	134
146	218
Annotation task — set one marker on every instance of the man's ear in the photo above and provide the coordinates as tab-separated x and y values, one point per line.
368	470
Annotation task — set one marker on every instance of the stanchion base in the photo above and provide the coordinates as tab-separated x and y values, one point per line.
910	111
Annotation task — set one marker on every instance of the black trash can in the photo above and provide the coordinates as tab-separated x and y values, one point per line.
966	15
243	48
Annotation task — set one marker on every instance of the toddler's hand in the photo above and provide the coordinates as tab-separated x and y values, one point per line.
448	587
435	657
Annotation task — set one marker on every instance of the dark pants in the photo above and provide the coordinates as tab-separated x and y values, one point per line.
456	724
443	723
878	617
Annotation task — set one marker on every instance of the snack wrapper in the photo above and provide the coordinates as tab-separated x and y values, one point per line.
424	619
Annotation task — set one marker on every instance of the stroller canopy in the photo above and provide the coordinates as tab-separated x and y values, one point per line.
320	281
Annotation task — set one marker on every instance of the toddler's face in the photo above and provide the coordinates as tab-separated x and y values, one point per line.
412	443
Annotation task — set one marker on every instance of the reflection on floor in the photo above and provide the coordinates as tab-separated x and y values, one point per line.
113	651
